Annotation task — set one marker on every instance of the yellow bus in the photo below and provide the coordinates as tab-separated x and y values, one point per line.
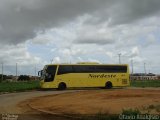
64	76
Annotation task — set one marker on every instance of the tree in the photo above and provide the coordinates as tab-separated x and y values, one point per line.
4	77
23	78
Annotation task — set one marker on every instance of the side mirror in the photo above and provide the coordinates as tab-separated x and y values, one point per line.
40	73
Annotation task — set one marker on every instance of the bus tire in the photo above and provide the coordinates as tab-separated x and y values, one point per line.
108	85
62	86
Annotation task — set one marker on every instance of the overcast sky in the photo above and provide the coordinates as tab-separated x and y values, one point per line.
36	32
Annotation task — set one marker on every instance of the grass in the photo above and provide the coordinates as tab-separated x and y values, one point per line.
22	86
130	112
154	107
98	116
145	83
107	116
18	86
127	114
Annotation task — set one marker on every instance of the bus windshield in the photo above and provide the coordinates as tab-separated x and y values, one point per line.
49	73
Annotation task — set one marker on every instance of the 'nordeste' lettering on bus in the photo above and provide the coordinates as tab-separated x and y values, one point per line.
101	76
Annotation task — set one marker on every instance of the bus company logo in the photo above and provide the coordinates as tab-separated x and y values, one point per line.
101	76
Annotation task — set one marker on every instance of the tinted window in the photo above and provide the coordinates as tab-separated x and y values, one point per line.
51	69
84	68
64	69
112	69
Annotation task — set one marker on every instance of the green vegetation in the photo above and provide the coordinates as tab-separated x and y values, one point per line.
131	112
145	83
153	107
23	78
4	77
107	116
18	86
100	116
127	114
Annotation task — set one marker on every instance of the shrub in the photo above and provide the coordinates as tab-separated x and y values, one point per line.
131	112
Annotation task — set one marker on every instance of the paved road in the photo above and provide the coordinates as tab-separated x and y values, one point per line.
8	102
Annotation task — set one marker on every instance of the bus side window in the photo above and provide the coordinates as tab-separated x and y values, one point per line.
64	69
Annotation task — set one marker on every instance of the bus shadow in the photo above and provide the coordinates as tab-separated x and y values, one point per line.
84	88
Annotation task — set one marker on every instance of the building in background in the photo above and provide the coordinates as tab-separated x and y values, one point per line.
143	76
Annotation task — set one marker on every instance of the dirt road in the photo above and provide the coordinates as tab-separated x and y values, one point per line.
13	103
8	102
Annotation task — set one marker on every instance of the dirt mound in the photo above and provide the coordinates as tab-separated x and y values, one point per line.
95	101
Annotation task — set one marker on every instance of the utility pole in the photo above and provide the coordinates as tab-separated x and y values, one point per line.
35	71
51	61
132	65
16	71
2	71
119	55
145	68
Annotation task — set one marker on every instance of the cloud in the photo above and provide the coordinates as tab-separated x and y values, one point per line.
90	34
110	54
98	41
18	53
134	52
127	11
56	60
20	21
41	39
78	30
73	51
150	40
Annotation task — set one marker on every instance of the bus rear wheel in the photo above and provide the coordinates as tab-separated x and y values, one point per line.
108	85
62	86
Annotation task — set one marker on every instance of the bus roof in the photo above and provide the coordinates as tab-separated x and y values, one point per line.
88	64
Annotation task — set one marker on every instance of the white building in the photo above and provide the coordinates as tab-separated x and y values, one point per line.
143	76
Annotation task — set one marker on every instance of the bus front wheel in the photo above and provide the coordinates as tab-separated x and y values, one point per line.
62	86
108	85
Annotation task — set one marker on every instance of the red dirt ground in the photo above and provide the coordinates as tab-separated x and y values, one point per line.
100	101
